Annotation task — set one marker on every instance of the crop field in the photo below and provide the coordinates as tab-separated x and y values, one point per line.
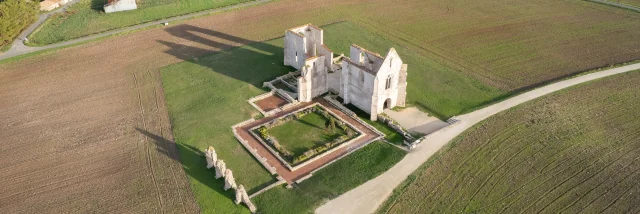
575	151
81	136
87	17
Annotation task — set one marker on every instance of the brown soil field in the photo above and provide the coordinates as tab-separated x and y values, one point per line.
575	151
85	128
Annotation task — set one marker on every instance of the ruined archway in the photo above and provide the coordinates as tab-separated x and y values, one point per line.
387	103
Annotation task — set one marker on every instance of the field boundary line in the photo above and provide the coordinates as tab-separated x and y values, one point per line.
615	4
19	48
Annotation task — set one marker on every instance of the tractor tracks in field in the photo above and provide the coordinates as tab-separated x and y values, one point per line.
138	88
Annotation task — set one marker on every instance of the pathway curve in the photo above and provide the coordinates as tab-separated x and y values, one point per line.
367	197
18	47
624	6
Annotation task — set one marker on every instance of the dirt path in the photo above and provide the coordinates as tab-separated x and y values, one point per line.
368	197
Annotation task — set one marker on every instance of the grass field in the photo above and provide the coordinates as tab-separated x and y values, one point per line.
331	181
205	99
87	17
574	151
305	133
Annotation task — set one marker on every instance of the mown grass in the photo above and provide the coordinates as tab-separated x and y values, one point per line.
573	151
87	17
433	87
305	133
391	136
204	99
332	181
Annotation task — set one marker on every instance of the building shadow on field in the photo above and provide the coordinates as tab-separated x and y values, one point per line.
245	60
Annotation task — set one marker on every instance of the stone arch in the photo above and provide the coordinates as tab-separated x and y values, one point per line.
386	104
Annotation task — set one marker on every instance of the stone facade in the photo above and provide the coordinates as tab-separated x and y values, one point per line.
365	79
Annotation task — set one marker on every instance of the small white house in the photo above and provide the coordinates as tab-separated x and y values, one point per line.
120	5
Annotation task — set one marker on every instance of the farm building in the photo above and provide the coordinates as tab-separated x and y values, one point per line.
120	5
366	79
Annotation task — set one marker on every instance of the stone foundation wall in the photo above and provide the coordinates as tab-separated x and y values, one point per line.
253	151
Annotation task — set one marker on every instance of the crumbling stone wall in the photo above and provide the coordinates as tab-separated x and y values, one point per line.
313	81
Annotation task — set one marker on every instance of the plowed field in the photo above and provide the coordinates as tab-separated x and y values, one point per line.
575	151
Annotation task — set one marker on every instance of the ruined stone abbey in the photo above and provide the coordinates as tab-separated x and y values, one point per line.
365	79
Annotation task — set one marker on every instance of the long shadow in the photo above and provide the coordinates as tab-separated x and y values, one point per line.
191	155
246	60
98	5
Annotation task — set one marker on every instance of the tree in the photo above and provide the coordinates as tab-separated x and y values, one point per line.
15	16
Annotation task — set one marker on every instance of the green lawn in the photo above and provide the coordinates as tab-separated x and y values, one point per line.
87	17
575	151
204	100
332	181
432	87
305	133
392	136
206	97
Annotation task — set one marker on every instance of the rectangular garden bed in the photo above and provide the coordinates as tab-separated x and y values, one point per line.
300	136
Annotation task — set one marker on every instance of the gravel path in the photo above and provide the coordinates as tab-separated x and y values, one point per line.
617	5
368	197
18	47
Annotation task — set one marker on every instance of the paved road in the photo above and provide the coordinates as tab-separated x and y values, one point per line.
18	47
617	5
367	197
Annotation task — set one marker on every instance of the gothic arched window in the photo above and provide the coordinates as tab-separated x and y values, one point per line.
388	83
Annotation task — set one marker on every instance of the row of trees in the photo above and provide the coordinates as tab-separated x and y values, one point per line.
15	16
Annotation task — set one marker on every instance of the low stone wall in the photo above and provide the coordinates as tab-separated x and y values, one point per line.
275	153
337	159
253	151
293	168
351	114
277	183
452	122
259	97
276	92
396	127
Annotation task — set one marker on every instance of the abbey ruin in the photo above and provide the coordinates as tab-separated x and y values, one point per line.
365	79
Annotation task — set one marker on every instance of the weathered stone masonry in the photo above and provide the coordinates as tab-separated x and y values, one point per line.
367	80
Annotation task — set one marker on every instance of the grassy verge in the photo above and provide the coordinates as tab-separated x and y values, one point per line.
332	181
392	136
86	17
572	151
